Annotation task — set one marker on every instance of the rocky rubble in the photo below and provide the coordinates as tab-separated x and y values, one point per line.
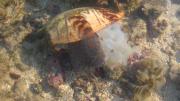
24	53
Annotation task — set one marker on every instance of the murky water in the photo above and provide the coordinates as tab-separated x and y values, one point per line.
31	69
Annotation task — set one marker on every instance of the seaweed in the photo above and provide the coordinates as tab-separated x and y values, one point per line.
114	73
136	35
132	5
145	77
7	13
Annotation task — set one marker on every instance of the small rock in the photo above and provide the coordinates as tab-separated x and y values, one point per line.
14	75
65	92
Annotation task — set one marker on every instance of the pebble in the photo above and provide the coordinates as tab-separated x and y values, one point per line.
14	75
66	92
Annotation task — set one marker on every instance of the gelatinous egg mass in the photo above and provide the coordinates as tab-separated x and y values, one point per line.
114	44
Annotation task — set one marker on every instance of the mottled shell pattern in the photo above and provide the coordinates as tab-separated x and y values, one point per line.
80	23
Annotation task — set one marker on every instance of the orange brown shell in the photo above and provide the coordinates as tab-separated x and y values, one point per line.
80	23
